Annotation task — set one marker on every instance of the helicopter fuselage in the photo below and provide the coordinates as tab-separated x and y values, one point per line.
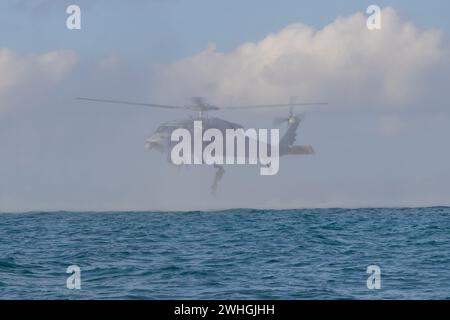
161	139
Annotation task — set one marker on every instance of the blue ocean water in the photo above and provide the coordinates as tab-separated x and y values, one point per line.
234	254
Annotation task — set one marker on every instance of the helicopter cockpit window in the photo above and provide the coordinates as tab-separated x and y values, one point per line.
161	129
165	129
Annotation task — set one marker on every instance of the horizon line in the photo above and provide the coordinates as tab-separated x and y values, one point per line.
221	210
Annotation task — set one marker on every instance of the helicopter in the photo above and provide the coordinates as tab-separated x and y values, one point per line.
161	139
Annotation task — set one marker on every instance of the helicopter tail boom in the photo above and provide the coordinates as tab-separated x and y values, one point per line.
300	150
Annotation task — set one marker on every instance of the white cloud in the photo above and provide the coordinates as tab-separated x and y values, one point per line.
21	75
344	63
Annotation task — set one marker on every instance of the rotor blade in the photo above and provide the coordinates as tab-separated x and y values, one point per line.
275	105
133	103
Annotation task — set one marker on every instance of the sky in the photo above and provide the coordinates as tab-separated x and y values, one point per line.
381	141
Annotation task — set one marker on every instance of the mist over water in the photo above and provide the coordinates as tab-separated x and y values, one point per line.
233	254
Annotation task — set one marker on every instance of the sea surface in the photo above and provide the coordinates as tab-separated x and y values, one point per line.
234	254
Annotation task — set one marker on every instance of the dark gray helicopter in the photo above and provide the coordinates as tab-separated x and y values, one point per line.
161	141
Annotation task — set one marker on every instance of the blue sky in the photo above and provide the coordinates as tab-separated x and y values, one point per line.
165	30
381	142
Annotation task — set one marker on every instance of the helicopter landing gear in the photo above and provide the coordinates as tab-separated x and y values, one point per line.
218	176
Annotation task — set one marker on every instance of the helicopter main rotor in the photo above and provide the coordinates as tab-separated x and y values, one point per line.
201	106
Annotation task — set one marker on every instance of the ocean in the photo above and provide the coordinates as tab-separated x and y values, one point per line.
233	254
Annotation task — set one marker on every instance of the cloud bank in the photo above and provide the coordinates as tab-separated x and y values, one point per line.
344	63
31	74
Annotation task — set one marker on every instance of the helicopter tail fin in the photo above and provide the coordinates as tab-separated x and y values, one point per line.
287	142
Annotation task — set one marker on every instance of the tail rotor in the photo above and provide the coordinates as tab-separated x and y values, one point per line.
291	118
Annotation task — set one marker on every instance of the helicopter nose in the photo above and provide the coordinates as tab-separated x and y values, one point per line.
153	141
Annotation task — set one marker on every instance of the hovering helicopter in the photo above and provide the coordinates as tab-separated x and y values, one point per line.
161	140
